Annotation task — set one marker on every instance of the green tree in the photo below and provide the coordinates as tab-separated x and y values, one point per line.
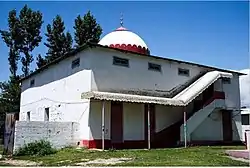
22	36
87	29
13	41
10	95
58	42
31	22
40	61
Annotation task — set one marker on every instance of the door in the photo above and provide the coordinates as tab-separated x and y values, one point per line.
9	132
152	121
227	125
116	124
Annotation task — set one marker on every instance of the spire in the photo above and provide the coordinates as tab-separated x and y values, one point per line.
121	28
121	19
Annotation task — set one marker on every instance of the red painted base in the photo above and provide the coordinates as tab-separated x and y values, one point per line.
141	144
97	143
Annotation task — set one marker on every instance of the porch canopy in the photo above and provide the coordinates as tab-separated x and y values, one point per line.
181	99
131	98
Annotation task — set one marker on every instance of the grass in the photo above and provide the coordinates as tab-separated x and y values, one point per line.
193	156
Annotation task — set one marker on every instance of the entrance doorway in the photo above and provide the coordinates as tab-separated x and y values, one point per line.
116	124
227	125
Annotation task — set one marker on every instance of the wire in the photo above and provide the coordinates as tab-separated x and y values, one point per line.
55	101
82	114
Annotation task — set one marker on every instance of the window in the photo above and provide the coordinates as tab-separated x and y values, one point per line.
226	80
120	61
46	114
245	119
32	82
75	63
183	72
28	116
154	67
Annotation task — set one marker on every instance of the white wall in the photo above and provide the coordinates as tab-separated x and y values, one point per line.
245	128
107	76
232	93
166	116
210	129
95	120
133	121
59	88
232	99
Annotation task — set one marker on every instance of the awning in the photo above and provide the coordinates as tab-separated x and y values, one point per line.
130	98
181	99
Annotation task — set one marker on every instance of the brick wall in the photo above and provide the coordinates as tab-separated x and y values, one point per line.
60	134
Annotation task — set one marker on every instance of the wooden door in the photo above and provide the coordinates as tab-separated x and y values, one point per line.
9	132
116	123
227	125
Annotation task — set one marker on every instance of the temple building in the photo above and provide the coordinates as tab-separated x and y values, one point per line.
123	97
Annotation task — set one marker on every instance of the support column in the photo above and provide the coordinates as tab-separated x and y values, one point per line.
103	124
149	134
185	127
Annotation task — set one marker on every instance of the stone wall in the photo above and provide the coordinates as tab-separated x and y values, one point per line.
60	134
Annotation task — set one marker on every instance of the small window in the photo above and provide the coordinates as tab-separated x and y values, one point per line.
75	63
183	72
46	114
32	82
28	116
226	80
120	61
154	67
245	119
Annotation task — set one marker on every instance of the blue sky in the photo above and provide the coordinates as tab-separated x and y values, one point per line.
212	33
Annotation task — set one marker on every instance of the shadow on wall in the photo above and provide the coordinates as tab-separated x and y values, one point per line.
102	82
236	132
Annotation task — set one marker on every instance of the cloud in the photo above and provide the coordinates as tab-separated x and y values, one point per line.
245	88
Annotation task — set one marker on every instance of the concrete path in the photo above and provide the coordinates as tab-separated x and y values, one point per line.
239	153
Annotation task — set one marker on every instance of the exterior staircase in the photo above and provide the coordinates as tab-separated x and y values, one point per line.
202	108
198	117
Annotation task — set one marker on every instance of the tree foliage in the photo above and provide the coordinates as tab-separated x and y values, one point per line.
13	41
10	95
21	37
40	61
31	22
87	29
58	42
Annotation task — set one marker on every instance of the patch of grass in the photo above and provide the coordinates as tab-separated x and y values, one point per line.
193	156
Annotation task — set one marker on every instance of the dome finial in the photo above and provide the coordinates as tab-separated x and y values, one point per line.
121	19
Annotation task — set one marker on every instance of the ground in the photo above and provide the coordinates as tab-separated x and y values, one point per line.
192	156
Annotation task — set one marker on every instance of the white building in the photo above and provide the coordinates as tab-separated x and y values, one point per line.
245	120
114	89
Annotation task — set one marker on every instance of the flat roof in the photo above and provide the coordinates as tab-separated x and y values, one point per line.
91	45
